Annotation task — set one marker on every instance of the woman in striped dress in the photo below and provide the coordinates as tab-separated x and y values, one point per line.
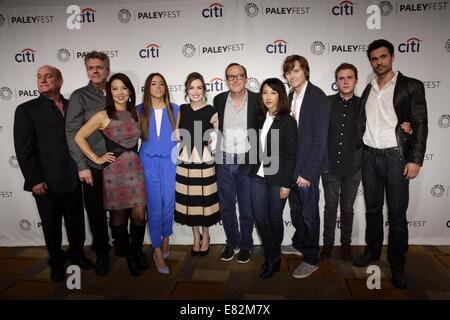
196	198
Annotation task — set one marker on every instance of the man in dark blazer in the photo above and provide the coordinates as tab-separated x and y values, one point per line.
237	109
310	107
391	155
49	171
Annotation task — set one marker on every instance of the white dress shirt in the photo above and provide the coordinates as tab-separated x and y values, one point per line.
381	116
297	101
262	140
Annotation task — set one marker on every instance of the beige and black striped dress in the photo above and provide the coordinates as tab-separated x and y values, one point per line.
196	197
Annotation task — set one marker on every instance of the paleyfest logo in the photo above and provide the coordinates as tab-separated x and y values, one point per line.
63	55
188	50
438	190
317	48
253	84
251	9
385	8
444	121
6	93
124	15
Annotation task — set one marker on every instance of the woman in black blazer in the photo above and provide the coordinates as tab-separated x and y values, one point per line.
272	175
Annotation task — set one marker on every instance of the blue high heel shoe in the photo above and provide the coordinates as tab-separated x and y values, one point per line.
166	255
162	270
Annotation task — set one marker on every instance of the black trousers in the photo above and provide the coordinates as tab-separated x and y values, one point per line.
98	222
52	209
340	191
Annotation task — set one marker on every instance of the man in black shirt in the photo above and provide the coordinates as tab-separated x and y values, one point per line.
341	181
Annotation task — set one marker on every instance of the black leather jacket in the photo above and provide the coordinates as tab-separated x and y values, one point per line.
410	106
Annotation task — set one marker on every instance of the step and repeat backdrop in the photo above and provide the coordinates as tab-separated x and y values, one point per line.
178	37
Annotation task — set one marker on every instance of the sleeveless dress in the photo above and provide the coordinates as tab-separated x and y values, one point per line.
196	197
123	179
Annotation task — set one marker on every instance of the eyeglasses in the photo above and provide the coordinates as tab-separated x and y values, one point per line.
231	77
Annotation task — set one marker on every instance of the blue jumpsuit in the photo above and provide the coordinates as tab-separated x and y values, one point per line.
159	172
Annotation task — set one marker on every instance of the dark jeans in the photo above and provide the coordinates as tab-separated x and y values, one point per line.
232	182
52	209
339	191
98	223
382	171
304	203
268	210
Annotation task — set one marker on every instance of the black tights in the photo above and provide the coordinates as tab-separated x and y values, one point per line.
120	217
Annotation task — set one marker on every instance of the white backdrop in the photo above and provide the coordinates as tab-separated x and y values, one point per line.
178	37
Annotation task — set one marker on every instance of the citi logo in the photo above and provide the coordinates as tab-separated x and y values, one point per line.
411	45
150	52
26	55
277	47
87	15
345	8
215	85
214	10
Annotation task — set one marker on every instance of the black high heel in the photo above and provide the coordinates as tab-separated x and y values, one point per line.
204	253
195	253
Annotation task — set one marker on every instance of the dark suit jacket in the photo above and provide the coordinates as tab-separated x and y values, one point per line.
312	147
253	109
282	151
41	146
410	106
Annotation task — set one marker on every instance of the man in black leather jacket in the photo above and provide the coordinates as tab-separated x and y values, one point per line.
390	156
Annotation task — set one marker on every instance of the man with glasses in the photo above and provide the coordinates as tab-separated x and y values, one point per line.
237	109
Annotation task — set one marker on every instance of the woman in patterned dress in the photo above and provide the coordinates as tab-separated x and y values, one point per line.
123	177
196	198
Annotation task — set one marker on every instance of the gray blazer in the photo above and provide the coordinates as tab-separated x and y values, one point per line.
83	104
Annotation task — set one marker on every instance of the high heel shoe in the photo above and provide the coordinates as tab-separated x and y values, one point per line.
204	253
270	269
166	255
162	270
194	252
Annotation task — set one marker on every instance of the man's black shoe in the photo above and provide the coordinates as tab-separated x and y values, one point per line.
57	274
102	265
363	260
244	256
399	280
83	263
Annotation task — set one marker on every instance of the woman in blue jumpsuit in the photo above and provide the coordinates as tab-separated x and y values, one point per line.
158	119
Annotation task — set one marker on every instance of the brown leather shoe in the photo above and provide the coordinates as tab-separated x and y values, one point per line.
325	254
346	252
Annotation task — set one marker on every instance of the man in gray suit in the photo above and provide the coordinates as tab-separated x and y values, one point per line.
83	104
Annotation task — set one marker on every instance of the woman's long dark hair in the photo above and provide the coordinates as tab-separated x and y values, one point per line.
131	103
147	105
283	102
